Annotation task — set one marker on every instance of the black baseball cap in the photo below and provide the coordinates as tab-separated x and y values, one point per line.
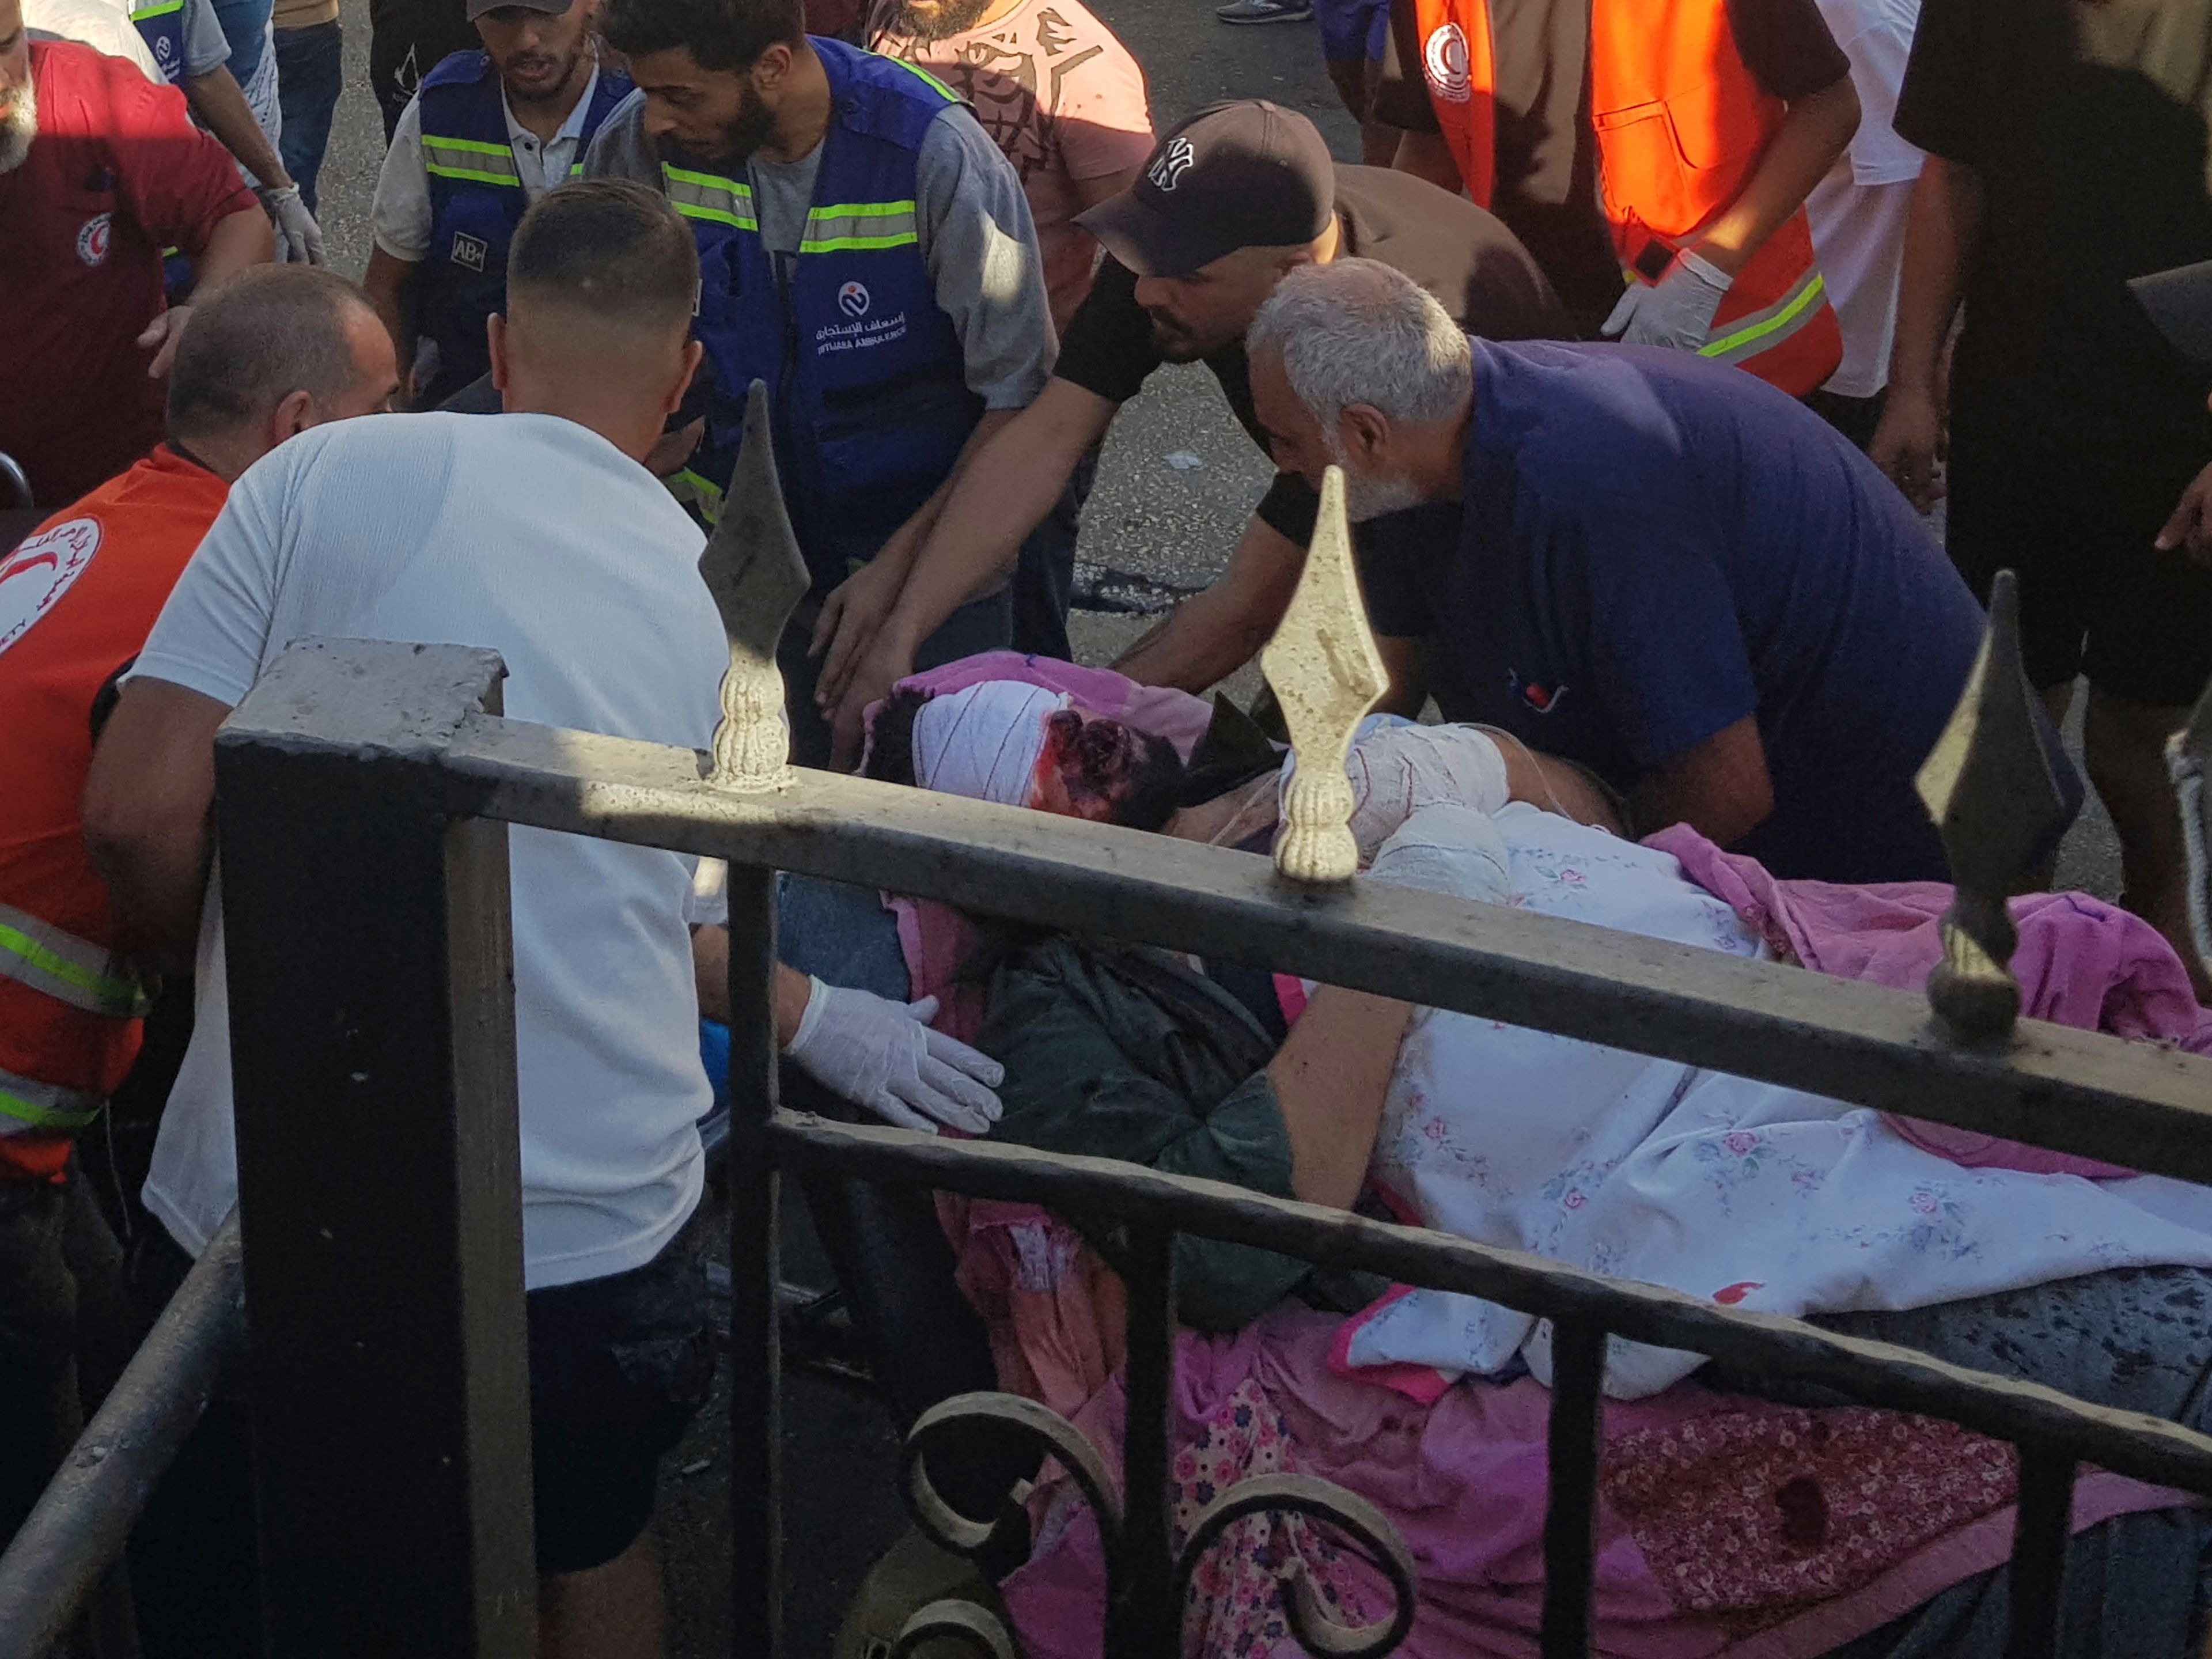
1243	174
555	8
2180	302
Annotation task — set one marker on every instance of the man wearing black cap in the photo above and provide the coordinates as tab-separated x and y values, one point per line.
1229	200
491	132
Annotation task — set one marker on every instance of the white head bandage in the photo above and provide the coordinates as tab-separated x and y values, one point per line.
984	742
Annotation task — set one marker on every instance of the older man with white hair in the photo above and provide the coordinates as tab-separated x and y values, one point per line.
1669	572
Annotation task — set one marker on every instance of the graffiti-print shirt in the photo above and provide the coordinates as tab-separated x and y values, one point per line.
1065	100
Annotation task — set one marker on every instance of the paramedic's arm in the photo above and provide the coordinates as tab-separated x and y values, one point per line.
710	967
1721	788
1213	634
399	221
1941	225
222	110
149	797
1003	492
1811	137
148	811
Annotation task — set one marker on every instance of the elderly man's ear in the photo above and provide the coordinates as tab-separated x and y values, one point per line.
1364	432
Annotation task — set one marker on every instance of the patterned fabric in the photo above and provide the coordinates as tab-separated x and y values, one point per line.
1238	1591
1743	1510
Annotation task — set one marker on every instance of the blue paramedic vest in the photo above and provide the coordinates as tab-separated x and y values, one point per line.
161	25
476	200
866	378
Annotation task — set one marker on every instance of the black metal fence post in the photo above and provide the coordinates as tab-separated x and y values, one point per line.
756	1390
1143	1616
372	1024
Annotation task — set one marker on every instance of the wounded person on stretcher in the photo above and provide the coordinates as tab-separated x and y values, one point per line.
1993	1255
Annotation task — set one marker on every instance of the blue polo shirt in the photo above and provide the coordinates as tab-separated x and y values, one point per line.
1651	547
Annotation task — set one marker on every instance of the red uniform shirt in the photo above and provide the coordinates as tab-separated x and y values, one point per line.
77	602
117	174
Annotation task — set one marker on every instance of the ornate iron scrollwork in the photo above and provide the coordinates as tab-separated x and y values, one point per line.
1989	786
1051	1435
751	565
1315	1499
1326	673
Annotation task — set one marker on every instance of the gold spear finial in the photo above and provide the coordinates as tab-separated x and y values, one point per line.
753	567
1326	674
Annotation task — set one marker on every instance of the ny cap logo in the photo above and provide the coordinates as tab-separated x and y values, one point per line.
1174	162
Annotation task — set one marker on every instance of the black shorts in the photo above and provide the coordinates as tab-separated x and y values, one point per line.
618	1367
2095	597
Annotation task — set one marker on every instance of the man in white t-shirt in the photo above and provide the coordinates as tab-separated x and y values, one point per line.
536	532
1857	211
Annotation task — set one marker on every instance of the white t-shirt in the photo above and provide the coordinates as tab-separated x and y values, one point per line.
535	536
1857	212
99	24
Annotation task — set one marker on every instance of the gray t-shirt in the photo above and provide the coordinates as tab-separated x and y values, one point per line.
977	240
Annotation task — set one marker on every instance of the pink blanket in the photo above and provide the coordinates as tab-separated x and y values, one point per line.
2081	963
1725	1526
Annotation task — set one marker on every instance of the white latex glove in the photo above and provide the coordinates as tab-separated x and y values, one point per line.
883	1055
1447	849
1398	770
298	238
1676	311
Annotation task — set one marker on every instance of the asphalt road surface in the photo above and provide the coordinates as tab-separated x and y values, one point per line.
1178	478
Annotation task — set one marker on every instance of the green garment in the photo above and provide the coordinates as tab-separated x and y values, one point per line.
1113	1051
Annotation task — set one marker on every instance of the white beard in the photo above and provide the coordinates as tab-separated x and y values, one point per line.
21	127
1372	495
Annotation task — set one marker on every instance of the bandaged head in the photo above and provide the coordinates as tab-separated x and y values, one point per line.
984	742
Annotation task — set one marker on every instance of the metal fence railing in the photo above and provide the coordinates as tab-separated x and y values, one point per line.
375	1081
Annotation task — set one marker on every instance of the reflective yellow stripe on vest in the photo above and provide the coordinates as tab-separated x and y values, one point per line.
696	488
1762	331
860	225
159	9
26	1103
66	968
708	196
921	74
468	158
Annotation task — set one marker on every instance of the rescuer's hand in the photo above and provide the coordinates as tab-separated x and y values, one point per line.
2189	530
851	617
883	1055
884	665
1908	443
1676	311
161	337
298	238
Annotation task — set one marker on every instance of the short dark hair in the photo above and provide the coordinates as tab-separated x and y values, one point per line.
609	246
720	34
257	339
890	736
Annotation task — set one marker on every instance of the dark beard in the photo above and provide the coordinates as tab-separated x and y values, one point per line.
907	22
755	126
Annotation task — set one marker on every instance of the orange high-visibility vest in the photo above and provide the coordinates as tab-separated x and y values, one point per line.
77	602
1680	124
